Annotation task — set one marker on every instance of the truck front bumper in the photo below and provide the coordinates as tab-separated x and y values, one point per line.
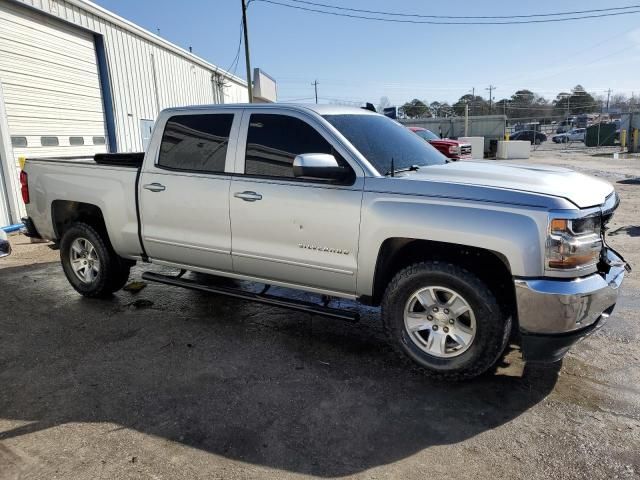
554	314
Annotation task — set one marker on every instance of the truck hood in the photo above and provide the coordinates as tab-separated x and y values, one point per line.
581	190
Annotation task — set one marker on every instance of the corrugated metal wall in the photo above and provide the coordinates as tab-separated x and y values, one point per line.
146	73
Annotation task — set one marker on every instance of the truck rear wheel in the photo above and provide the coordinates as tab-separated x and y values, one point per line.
445	320
90	264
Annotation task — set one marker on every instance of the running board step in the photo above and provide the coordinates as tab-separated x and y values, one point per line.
291	304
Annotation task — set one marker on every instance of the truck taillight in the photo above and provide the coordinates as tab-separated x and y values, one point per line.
24	186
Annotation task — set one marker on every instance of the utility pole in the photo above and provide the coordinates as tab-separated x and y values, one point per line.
608	95
315	86
491	88
246	50
473	99
466	119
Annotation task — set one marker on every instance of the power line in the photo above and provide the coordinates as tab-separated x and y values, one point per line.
431	22
236	58
417	15
234	63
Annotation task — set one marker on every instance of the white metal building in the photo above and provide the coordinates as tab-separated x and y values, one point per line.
76	79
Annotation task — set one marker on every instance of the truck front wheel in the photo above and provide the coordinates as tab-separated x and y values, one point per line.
445	320
89	262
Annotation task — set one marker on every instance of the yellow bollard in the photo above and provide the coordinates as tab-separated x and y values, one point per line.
623	139
634	140
506	135
21	161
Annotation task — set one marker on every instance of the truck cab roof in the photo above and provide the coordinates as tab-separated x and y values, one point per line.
323	109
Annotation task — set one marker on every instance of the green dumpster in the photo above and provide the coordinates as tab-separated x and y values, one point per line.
607	133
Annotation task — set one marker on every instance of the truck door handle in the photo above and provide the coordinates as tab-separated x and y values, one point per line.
248	196
154	187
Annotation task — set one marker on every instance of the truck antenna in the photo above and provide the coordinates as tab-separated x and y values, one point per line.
393	168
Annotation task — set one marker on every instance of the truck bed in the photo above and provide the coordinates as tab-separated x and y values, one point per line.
108	182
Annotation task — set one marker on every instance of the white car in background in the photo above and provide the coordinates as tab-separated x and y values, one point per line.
573	135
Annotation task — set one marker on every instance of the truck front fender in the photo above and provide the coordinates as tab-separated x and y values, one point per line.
515	233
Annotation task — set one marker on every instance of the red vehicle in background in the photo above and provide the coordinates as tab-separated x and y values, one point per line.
452	149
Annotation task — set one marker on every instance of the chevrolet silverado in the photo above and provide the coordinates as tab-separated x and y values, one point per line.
343	202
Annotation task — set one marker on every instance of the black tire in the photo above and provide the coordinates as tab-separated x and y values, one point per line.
113	272
538	141
121	276
492	327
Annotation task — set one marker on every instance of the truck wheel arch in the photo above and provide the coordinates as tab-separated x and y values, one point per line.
397	253
65	213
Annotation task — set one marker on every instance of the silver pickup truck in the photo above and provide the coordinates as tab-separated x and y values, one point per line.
343	202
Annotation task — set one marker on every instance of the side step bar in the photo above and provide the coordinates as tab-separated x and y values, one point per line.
291	304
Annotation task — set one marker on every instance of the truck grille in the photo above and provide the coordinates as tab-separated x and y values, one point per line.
465	149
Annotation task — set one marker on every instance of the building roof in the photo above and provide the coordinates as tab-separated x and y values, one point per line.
125	24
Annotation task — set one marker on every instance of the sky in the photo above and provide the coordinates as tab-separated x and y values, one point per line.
362	61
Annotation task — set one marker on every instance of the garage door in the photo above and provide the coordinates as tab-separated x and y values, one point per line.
51	85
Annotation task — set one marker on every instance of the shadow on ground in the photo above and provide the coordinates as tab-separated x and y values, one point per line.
631	230
630	181
245	381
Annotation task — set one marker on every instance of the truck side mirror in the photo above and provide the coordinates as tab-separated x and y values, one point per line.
319	166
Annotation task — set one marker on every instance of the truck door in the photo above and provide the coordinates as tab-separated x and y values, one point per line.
184	192
288	229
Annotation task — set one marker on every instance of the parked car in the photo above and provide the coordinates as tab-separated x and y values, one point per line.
452	149
573	135
564	126
529	135
5	246
342	202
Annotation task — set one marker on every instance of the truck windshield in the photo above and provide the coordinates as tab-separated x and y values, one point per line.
427	135
379	139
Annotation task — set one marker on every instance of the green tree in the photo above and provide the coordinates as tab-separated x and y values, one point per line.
527	104
502	106
477	105
446	110
434	108
576	102
416	109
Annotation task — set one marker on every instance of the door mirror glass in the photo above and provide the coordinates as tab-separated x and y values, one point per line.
318	166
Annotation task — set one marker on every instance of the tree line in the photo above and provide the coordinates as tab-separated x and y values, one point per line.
522	104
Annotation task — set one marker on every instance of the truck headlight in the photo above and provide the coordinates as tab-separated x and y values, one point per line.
573	244
454	150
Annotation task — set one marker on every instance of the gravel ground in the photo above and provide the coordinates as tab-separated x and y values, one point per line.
169	383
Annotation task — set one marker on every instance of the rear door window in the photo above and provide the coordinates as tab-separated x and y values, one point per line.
196	143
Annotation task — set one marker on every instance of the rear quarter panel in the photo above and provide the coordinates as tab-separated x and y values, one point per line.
112	189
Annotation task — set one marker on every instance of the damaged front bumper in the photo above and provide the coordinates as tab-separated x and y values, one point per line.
554	314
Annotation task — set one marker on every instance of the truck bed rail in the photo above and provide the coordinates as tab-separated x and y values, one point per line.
120	159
